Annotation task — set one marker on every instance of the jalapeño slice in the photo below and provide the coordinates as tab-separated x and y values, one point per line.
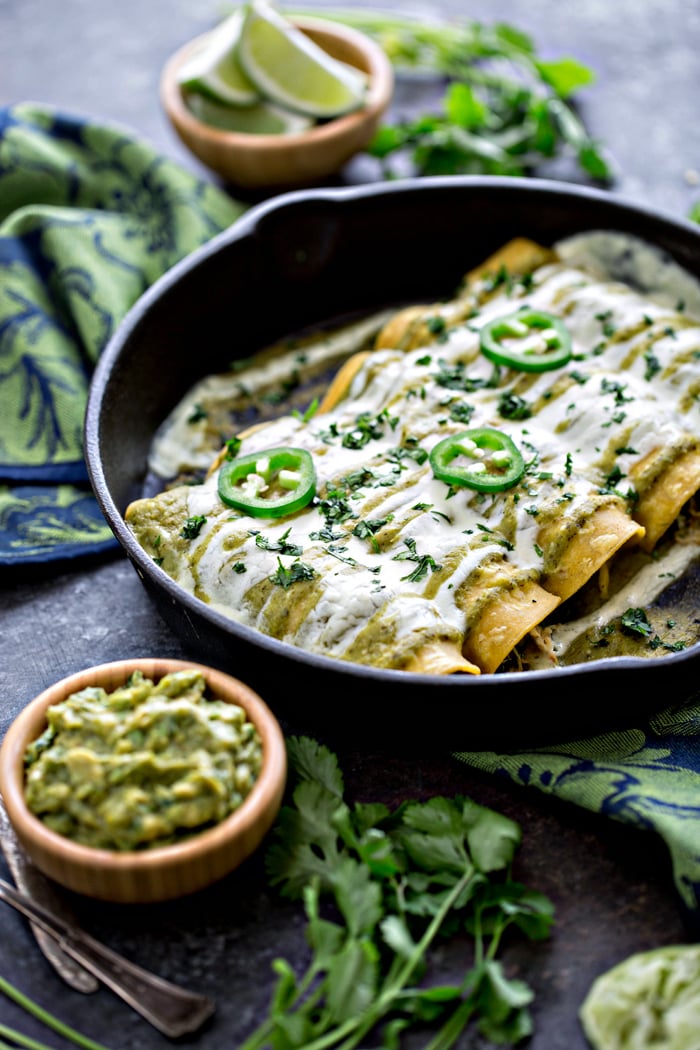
483	459
528	341
268	484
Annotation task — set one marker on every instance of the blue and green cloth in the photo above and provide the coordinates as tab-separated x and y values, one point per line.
647	776
89	218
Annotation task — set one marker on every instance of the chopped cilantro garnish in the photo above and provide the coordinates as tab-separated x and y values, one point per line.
501	541
192	527
309	413
418	455
325	535
365	529
436	326
198	414
233	446
425	562
335	507
461	412
452	375
295	573
613	386
636	621
512	406
653	365
281	546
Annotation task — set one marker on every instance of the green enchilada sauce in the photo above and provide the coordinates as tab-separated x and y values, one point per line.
143	766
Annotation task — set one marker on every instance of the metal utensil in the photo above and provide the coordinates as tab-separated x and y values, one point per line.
37	887
174	1011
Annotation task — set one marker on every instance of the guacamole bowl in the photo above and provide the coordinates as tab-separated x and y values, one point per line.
106	846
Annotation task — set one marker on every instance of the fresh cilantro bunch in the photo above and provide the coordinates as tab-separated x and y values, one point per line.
504	110
380	888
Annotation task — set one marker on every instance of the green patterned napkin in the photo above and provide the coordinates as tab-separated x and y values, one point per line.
89	218
647	776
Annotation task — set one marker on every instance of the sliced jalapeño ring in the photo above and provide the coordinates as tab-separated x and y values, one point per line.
271	483
483	459
527	340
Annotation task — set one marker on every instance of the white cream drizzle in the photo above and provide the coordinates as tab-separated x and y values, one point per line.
569	436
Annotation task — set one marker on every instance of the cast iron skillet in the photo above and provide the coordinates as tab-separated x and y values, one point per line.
307	257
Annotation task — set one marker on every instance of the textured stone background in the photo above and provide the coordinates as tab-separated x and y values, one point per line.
104	58
612	885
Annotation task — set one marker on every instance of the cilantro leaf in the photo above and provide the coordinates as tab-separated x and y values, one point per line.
312	761
565	75
352	980
307	845
396	882
504	110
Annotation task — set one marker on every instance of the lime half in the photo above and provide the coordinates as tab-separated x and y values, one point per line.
651	1001
288	68
214	71
262	118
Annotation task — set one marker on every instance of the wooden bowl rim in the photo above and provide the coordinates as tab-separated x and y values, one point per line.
377	66
265	792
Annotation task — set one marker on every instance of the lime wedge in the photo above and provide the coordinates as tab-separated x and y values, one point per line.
288	68
213	70
651	1001
262	118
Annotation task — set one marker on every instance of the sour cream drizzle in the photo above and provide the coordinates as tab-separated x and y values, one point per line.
632	386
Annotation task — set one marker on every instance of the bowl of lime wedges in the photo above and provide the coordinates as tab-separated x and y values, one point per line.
267	101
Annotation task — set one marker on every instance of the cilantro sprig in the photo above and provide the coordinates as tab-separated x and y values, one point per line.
505	110
380	890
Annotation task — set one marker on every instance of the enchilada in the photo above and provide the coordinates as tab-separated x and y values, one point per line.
390	564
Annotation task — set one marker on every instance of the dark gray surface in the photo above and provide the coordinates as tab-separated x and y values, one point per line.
611	885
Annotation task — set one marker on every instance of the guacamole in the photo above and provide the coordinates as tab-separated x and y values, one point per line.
143	766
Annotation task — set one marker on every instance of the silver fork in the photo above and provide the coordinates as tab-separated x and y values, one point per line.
30	881
173	1010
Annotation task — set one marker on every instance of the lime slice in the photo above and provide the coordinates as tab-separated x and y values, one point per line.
651	1001
288	68
213	70
262	118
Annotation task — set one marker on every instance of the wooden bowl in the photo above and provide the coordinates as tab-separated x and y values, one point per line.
297	159
154	874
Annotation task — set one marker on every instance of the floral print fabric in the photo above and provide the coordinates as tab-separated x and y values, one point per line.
90	217
647	776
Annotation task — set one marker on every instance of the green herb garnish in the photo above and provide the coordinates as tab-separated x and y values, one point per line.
424	562
398	883
282	545
504	111
295	573
192	527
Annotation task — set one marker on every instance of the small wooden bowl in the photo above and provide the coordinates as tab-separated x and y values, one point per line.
163	872
298	159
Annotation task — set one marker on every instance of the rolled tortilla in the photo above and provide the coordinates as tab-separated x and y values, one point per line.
440	658
578	546
518	257
674	481
340	384
506	616
526	551
415	326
